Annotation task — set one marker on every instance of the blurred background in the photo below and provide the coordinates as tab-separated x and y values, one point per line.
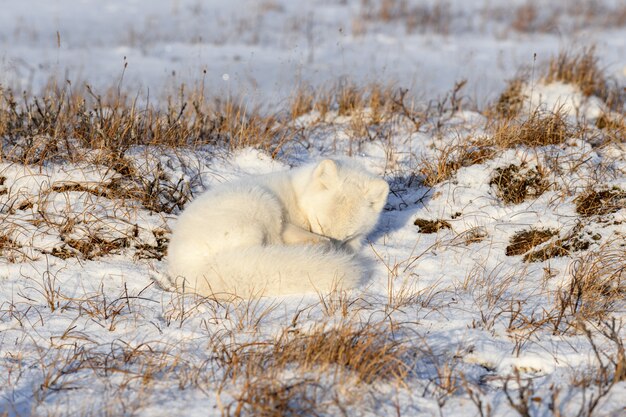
263	50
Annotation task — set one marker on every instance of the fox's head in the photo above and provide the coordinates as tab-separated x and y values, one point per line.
343	201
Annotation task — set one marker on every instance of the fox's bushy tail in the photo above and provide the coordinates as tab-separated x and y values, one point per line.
270	270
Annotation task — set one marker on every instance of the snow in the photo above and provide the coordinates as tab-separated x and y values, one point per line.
64	320
564	98
264	49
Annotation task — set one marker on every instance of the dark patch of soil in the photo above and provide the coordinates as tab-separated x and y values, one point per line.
599	203
578	240
515	183
431	226
523	241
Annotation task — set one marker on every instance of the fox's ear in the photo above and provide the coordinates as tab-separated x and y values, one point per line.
377	193
326	173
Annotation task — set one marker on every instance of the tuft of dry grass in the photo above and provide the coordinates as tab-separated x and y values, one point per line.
368	112
516	183
451	158
612	122
367	351
348	353
349	98
538	129
266	397
511	99
92	246
375	100
364	350
582	69
301	102
597	286
524	240
599	203
613	125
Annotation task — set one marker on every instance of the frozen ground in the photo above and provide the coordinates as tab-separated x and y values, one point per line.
84	330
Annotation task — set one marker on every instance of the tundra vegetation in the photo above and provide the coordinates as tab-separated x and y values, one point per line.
498	281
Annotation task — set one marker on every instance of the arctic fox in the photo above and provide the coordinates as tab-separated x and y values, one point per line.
282	233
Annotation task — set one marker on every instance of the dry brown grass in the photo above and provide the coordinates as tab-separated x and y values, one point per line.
613	126
525	17
560	247
66	124
94	220
151	251
578	69
349	353
364	350
297	370
92	246
489	289
596	288
266	397
599	203
421	18
511	99
473	235
375	101
367	351
10	249
363	114
573	16
451	158
582	69
538	129
302	101
576	240
138	369
523	241
63	121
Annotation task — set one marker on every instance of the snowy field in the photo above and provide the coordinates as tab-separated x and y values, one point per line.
498	279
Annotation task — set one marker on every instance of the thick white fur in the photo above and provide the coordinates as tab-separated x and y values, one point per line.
284	233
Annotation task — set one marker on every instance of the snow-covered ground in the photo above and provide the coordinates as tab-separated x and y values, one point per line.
264	48
84	329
